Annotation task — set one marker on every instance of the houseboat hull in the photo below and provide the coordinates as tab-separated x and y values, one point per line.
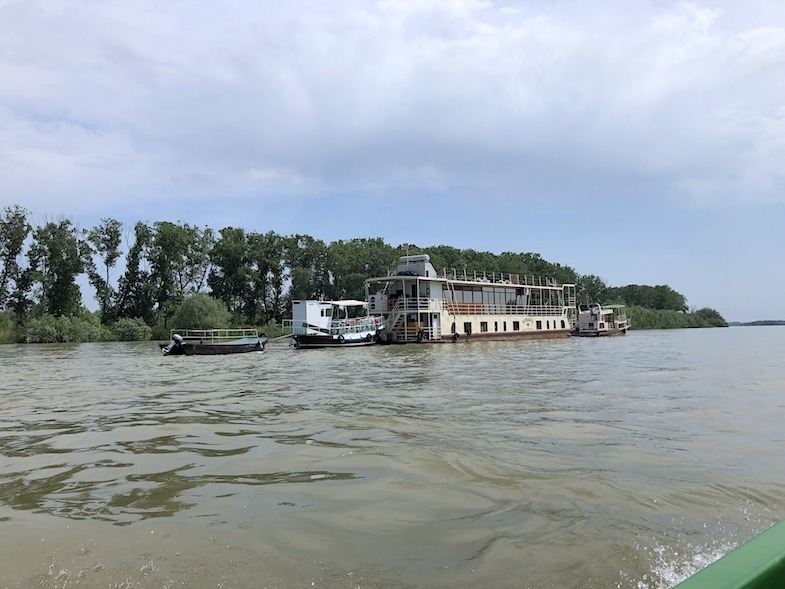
334	341
456	338
595	333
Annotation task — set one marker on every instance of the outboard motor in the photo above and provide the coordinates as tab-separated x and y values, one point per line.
175	346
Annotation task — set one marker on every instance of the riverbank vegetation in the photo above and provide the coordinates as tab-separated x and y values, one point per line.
150	277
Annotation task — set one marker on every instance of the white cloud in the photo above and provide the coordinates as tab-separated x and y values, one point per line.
238	99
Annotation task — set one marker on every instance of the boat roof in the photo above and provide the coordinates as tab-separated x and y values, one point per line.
347	303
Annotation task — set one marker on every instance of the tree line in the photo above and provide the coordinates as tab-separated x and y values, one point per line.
141	275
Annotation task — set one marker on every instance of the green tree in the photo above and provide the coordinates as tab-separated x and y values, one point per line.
308	263
135	289
660	297
200	311
57	259
351	262
229	277
179	256
591	289
711	317
104	242
265	298
14	230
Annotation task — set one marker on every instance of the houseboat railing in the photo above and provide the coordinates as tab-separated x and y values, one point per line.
421	304
343	326
337	327
215	336
497	277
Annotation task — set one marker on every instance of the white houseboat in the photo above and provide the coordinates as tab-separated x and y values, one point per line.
418	304
595	320
332	324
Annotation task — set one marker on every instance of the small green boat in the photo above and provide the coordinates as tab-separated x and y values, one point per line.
759	563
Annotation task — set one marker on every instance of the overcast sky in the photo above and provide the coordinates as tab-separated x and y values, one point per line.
643	142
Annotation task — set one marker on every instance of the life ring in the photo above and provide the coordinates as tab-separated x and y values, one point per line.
455	336
296	344
420	335
341	339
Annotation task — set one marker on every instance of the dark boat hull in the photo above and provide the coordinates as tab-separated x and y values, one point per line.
610	333
327	341
213	349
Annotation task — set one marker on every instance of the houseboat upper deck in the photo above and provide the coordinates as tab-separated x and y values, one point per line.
418	304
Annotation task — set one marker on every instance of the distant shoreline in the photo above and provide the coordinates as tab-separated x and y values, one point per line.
748	323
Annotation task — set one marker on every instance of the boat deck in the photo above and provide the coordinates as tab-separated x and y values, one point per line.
218	336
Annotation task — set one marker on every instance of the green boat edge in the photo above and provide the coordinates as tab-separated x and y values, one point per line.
757	564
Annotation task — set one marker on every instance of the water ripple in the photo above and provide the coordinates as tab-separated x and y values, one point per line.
539	464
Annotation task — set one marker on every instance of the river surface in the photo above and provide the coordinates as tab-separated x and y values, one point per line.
577	463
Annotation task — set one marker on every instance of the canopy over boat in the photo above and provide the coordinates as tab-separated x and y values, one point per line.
348	303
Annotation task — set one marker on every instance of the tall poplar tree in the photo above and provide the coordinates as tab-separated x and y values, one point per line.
135	289
103	241
14	230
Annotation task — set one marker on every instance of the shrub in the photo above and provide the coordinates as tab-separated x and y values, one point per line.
201	311
711	317
8	330
131	330
51	329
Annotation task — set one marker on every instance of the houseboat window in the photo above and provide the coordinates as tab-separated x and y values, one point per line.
516	325
483	326
563	324
496	326
452	329
505	326
468	294
539	325
467	328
